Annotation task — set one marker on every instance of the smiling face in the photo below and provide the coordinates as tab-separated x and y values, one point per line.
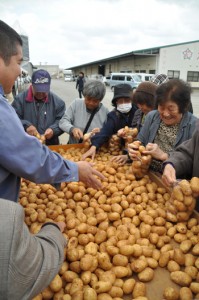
169	113
10	71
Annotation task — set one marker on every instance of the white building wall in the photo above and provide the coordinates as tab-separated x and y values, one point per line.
181	58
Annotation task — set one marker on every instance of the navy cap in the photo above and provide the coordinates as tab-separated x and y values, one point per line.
41	81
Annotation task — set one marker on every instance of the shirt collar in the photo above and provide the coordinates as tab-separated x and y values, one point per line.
30	97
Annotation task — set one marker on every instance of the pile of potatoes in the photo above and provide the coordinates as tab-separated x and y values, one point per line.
117	237
182	201
140	167
114	145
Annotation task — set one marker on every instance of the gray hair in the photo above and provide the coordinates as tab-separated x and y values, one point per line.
94	89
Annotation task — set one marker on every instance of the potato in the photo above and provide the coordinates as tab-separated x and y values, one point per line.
185	246
127	250
179	256
139	290
146	275
120	260
116	291
77	285
171	294
128	285
86	277
104	261
164	259
189	259
173	266
89	293
181	278
185	294
69	276
56	284
194	286
104	296
120	271
102	287
138	265
195	249
47	293
185	187
192	271
194	184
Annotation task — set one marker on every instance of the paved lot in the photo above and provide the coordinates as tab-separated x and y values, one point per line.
68	92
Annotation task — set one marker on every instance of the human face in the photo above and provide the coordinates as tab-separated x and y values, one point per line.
169	113
39	95
91	103
144	108
9	72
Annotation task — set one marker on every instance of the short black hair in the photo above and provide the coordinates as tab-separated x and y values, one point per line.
9	39
143	98
176	90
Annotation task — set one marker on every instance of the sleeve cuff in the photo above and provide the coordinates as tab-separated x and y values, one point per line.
50	223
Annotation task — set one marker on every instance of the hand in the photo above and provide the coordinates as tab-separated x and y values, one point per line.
155	152
87	175
61	225
77	133
48	133
95	130
133	150
121	133
31	130
169	175
91	152
120	159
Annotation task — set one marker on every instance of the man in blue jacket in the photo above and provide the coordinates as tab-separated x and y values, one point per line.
22	155
39	109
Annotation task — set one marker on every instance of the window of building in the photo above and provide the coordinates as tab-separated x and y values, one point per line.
173	74
151	71
192	76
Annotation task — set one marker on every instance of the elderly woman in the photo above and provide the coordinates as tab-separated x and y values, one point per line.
168	126
85	115
144	98
121	116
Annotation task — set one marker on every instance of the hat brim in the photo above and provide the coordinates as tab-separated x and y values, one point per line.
120	96
41	88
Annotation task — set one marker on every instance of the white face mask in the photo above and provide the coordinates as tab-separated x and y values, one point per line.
124	108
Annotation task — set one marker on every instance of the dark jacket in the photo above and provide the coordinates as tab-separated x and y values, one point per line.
115	121
43	114
137	120
80	83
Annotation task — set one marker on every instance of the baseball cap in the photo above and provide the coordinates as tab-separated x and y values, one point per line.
41	81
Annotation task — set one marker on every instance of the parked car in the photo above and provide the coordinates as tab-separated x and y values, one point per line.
145	76
69	78
106	79
131	78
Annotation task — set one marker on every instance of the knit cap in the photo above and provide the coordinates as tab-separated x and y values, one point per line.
147	87
159	79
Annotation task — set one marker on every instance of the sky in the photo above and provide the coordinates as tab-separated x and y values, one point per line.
69	33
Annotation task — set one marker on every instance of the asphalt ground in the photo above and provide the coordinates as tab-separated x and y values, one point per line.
67	91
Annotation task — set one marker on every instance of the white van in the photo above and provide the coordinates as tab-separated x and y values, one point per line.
145	76
131	78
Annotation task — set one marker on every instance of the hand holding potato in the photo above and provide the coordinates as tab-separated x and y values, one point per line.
169	175
133	150
77	133
31	130
86	175
155	151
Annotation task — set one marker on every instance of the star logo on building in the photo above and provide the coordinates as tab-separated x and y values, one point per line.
187	54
